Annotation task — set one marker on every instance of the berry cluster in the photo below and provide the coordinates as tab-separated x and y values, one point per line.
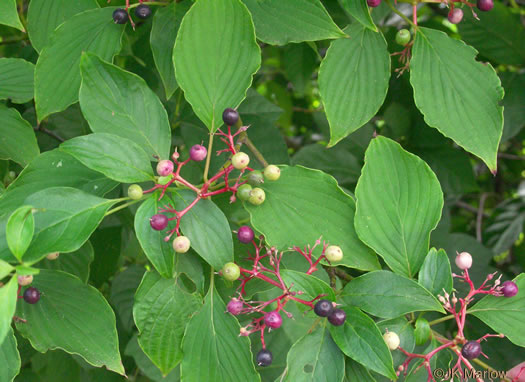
32	295
265	265
455	15
121	16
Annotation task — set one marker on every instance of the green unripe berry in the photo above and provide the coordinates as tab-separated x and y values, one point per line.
257	196
163	180
255	178
135	192
240	160
403	37
333	253
181	244
243	192
231	271
272	172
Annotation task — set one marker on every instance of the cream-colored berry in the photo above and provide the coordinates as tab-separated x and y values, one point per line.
52	256
181	244
334	253
272	172
240	160
24	280
257	196
392	340
135	192
464	260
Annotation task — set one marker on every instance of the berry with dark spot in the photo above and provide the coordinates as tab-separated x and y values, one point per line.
323	308
31	295
255	178
120	16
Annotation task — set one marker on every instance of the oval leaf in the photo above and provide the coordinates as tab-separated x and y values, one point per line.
8	298
215	60
18	138
399	203
16	80
435	273
19	230
76	263
387	295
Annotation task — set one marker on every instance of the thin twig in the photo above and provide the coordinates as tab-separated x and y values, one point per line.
510	156
469	208
479	218
51	133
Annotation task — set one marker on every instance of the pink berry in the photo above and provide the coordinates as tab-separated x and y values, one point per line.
273	319
198	153
485	5
373	3
464	260
245	234
509	289
158	222
165	167
235	306
455	16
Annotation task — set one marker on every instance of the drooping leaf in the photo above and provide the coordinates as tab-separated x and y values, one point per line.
76	263
277	22
215	60
9	14
289	216
10	357
387	295
18	138
8	298
116	157
16	80
161	312
349	95
446	76
19	230
435	273
118	102
57	72
358	9
399	203
71	316
212	347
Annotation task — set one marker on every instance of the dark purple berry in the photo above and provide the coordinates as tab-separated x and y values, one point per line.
373	3
31	295
471	350
198	153
273	319
485	5
245	234
337	317
509	289
230	116
143	11
120	16
158	222
455	16
323	308
235	306
264	358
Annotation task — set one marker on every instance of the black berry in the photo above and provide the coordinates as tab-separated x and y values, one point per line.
143	11
158	222
323	308
485	5
264	358
230	116
337	317
31	295
120	16
509	289
471	350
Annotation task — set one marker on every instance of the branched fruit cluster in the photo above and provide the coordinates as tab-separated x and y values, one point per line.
121	16
266	266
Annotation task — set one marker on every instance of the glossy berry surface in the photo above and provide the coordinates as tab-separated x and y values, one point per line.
230	116
337	317
272	172
245	234
231	271
334	253
485	5
471	350
403	37
255	178
243	192
257	196
31	295
323	308
120	16
240	161
392	340
181	244
455	16
509	289
273	319
143	11
198	153
24	280
158	222
234	306
373	3
264	357
135	192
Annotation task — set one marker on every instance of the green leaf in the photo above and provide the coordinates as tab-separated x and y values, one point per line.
290	215
354	371
17	80
161	312
358	9
504	314
44	16
159	252
360	339
67	218
399	203
448	90
5	269
405	331
349	95
299	61
422	332
212	347
497	35
166	23
8	298
116	157
25	270
9	14
18	138
310	285
315	357
10	357
277	22
215	60
207	228
513	112
57	73
71	316
76	263
118	102
122	293
19	230
435	273
387	295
